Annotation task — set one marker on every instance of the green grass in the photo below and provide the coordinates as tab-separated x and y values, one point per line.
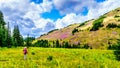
61	58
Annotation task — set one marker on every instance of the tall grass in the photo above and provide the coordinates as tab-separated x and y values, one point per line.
61	58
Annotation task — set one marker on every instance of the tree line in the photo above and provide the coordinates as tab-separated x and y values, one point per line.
58	44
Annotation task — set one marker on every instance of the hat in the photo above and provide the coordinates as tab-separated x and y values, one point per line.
25	47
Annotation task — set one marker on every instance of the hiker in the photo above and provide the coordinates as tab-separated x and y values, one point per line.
25	51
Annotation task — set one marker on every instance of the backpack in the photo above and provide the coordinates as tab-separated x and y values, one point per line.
25	51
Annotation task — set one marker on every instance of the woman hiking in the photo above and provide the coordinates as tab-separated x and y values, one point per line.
25	51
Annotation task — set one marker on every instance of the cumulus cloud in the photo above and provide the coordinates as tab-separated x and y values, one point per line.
94	10
67	20
72	6
102	8
26	14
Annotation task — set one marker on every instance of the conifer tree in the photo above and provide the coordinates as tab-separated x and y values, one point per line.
2	30
17	38
8	36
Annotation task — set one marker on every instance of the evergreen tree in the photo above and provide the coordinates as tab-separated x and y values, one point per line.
2	22
1	36
28	41
17	38
66	45
8	37
2	30
57	43
21	40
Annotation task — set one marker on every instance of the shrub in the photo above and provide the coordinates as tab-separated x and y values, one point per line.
98	23
49	58
111	25
116	16
74	31
33	53
117	54
81	24
118	26
86	46
115	46
118	19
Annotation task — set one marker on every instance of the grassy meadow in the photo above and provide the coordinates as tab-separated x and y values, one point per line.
57	58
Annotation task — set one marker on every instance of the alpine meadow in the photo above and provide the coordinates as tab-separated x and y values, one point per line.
55	34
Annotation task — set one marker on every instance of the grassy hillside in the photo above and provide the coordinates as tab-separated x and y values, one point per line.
60	34
97	33
61	58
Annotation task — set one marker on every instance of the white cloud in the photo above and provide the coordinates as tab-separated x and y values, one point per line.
102	8
70	19
47	5
72	6
95	10
26	14
67	20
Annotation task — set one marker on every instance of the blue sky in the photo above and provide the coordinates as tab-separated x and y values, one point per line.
53	14
36	17
36	1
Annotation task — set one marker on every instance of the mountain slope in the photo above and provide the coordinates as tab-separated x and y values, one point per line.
60	34
96	33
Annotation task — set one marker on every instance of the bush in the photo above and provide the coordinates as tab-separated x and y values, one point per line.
119	20
81	24
115	46
116	16
33	53
118	26
98	23
117	54
74	31
50	58
86	46
111	25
